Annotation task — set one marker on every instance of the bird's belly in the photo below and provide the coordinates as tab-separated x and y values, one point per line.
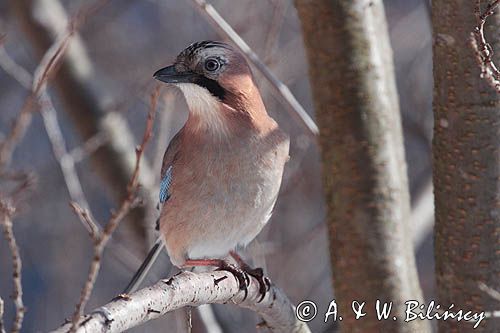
227	207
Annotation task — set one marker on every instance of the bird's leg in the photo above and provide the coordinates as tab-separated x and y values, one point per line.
258	273
223	265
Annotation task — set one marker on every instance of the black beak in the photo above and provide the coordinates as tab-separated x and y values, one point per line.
171	75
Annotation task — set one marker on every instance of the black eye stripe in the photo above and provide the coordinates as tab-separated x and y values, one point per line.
212	86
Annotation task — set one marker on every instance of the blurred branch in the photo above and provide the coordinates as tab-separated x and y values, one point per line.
190	289
66	160
2	328
280	7
81	152
484	51
422	215
101	239
52	128
51	58
490	291
207	316
7	211
43	21
495	294
293	106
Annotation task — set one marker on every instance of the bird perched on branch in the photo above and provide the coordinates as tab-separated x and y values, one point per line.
222	171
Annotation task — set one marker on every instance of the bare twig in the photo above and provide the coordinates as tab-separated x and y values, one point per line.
52	127
102	239
296	110
91	145
2	327
87	220
280	7
59	148
44	72
6	212
484	51
190	289
113	158
66	160
490	291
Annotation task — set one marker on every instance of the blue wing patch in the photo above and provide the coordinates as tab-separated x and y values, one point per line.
165	185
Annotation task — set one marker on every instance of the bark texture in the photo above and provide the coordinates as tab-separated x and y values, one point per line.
43	21
466	166
190	289
365	180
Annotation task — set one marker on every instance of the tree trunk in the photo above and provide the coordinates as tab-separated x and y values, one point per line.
466	166
351	72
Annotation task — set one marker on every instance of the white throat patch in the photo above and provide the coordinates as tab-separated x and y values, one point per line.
203	104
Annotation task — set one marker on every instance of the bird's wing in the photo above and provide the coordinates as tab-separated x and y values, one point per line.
169	158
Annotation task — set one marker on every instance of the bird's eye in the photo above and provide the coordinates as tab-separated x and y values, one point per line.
212	65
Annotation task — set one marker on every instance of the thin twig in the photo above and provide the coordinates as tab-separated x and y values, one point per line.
52	127
296	110
7	211
490	291
280	7
44	72
89	147
484	51
2	327
128	203
66	160
87	220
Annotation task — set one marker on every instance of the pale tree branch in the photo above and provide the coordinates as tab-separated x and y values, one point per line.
285	95
495	294
48	66
2	327
101	239
191	289
7	210
483	49
490	291
67	160
43	21
52	127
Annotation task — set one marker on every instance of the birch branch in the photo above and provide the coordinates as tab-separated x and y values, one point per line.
101	239
67	160
43	21
2	328
190	289
7	210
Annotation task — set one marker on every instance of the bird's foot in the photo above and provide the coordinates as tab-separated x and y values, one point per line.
264	281
240	274
257	273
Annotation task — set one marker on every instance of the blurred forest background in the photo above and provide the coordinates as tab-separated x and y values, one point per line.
120	46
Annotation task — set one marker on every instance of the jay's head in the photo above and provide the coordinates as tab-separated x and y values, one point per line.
209	68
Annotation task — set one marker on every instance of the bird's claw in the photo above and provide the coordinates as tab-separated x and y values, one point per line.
240	274
264	281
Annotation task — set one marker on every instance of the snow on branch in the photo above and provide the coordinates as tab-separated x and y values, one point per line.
190	289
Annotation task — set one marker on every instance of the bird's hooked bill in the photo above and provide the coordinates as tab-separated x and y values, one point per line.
170	75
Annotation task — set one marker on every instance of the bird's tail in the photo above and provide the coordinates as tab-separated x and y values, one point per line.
145	267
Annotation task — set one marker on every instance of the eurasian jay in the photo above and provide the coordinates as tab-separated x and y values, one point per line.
222	171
